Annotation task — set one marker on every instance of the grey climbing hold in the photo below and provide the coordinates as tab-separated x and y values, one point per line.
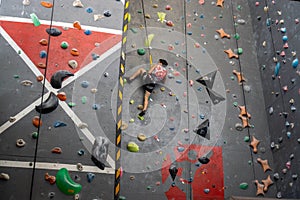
247	88
278	195
239	127
53	32
276	176
206	190
100	151
85	84
271	110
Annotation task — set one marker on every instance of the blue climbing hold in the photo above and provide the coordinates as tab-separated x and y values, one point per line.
283	30
178	81
95	106
43	54
89	10
90	177
84	84
268	22
202	116
87	32
295	63
284	38
288	134
59	124
81	152
277	68
180	149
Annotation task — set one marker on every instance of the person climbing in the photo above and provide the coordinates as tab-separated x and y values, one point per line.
156	74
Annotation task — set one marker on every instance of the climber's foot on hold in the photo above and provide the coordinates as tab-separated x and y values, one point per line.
128	80
141	115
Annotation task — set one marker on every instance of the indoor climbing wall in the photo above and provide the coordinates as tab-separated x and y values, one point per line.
276	25
55	56
222	126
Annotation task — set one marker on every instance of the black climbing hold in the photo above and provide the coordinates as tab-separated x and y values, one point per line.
58	77
49	105
53	31
203	129
107	13
280	139
173	172
204	160
100	152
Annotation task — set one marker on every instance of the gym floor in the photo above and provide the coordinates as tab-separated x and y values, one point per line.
230	98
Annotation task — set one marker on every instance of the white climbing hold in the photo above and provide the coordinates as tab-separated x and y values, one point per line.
26	2
4	176
78	4
98	16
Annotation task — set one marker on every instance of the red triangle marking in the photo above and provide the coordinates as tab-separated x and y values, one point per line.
27	37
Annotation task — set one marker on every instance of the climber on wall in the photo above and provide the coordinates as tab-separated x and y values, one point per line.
156	74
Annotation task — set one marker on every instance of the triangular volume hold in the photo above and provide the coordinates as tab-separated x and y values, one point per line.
208	80
215	97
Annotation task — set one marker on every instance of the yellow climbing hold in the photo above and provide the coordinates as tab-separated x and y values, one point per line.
161	16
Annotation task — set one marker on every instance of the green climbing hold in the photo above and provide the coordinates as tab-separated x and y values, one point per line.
65	183
232	78
35	19
16	76
141	51
239	7
122	198
64	45
134	30
34	135
246	139
132	147
240	51
235	104
83	99
71	104
244	186
149	187
236	36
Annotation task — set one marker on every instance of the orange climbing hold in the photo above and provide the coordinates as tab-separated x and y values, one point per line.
62	96
41	65
77	25
51	179
220	3
222	33
36	121
239	76
231	54
46	4
264	164
243	111
259	188
267	182
254	143
74	52
43	42
245	121
56	150
39	78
